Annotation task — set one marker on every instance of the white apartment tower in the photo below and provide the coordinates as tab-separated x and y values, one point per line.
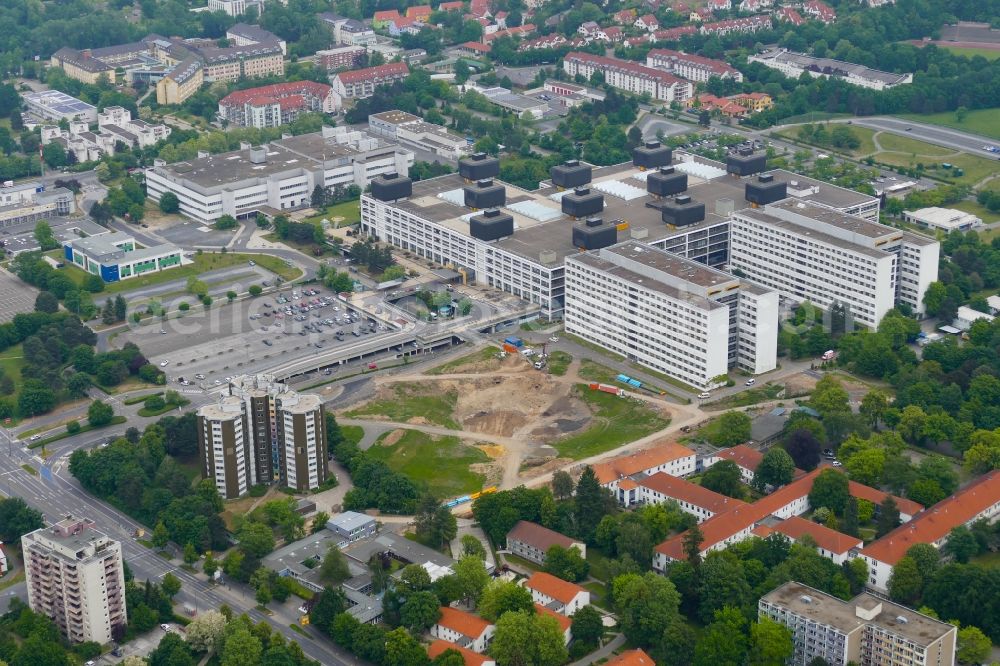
866	630
669	313
75	577
262	432
806	252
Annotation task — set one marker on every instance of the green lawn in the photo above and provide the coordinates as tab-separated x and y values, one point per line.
350	211
352	433
596	372
559	362
971	52
863	134
590	345
136	399
976	168
990	560
413	401
201	264
456	365
980	121
616	421
978	210
440	463
11	362
904	144
164	409
752	396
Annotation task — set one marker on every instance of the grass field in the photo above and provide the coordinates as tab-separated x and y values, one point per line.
201	263
456	365
11	362
904	144
976	209
976	168
439	463
971	52
616	421
980	121
752	396
559	362
412	401
352	433
350	211
595	372
862	133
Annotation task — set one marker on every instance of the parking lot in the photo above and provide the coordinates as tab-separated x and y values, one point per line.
189	234
17	297
254	335
21	237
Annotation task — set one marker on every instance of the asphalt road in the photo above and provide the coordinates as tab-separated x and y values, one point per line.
56	494
941	136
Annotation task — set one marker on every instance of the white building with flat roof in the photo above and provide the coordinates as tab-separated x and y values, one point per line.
56	105
793	65
279	175
75	578
945	219
809	253
672	314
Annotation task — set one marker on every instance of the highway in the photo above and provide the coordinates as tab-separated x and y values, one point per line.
941	136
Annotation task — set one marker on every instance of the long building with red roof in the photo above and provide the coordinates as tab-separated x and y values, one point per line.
361	83
980	500
690	66
737	524
630	76
274	105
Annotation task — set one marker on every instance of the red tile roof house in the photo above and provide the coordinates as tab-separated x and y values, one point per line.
746	459
980	500
735	525
471	658
464	629
632	658
829	543
557	594
564	622
701	503
670	457
648	22
532	541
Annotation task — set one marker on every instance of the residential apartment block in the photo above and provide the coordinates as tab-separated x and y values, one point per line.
619	475
347	31
81	65
671	314
341	57
630	76
866	630
700	502
691	67
980	500
116	130
262	432
360	83
75	577
532	541
805	252
464	629
793	64
275	105
279	175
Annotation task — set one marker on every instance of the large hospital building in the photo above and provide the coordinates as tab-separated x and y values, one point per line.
788	237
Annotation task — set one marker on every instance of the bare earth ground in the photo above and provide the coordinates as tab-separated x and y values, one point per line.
511	411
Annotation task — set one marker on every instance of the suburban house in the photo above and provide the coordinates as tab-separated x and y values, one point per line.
564	622
829	543
632	658
557	594
471	658
464	629
670	457
532	541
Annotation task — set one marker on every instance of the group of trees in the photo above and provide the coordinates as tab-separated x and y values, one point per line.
376	485
298	232
127	199
376	256
33	269
144	479
114	311
17	519
30	639
338	281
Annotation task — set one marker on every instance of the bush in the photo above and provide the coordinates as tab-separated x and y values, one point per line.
169	203
154	403
73	427
255	290
184	307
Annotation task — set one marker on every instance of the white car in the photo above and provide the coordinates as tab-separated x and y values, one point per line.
704	395
164	364
165	627
199	376
750	382
554	339
837	463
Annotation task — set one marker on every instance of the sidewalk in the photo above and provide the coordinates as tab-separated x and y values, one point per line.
602	653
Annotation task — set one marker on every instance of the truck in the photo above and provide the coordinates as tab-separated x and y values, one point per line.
607	388
514	341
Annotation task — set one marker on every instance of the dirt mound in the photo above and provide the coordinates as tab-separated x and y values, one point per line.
502	422
392	437
532	467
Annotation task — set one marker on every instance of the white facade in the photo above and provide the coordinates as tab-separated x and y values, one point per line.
670	314
75	577
223	433
579	600
453	634
691	67
230	7
793	64
945	219
630	76
283	179
815	254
